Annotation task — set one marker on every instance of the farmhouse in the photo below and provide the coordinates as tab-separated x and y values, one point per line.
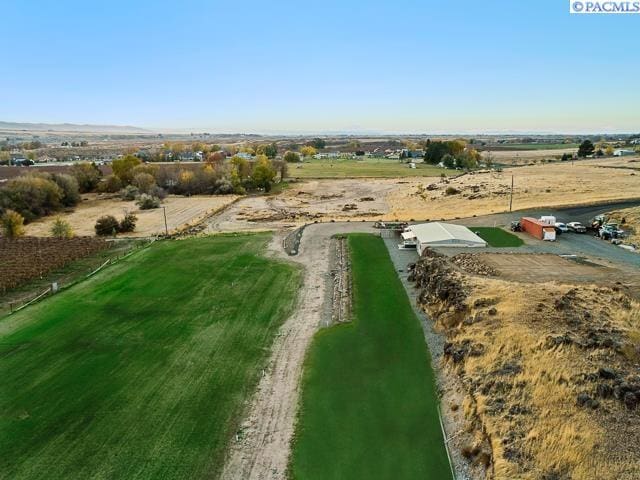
436	234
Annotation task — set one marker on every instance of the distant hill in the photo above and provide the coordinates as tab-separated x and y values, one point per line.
70	127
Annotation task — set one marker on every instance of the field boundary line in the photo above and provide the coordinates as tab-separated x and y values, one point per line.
98	269
31	301
446	443
110	261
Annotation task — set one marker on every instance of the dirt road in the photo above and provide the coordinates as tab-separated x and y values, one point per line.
261	449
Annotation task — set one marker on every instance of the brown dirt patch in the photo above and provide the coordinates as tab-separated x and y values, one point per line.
181	211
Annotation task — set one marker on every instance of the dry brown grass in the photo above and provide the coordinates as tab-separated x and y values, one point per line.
553	435
631	225
181	211
558	184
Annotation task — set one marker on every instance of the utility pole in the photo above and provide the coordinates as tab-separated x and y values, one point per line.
166	229
511	196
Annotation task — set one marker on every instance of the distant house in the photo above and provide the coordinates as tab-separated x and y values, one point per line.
621	153
245	155
187	156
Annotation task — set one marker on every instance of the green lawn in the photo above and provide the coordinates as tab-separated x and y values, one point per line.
497	237
369	406
141	371
374	168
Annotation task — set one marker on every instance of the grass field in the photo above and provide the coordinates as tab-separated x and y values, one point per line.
497	237
369	406
141	371
375	168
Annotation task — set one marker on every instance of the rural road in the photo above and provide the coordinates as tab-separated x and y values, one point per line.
262	449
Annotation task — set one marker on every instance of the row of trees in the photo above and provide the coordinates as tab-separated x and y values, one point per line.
39	194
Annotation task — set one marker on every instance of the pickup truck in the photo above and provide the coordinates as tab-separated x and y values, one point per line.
576	227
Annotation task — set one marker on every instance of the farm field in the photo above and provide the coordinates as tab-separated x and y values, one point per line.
27	258
527	156
497	237
375	168
181	211
141	371
368	402
533	146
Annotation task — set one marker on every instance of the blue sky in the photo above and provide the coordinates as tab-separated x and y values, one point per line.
316	66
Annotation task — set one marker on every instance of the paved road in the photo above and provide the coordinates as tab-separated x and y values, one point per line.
582	245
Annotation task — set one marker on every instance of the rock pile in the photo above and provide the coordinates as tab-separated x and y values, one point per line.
438	282
471	263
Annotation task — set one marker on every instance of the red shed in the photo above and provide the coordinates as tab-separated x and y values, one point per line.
538	229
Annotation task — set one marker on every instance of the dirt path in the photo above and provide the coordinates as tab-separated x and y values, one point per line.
262	448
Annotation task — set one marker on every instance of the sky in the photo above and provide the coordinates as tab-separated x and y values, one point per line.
429	66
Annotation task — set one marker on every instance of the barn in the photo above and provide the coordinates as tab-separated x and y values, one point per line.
436	234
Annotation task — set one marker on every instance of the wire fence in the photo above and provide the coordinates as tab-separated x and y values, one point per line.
55	287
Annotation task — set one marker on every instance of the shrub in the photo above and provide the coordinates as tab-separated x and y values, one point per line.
146	168
110	184
157	191
147	202
107	225
70	189
31	196
291	157
224	187
123	168
128	223
451	191
61	228
129	192
12	224
144	181
87	175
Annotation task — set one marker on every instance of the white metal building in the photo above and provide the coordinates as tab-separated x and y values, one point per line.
436	234
622	153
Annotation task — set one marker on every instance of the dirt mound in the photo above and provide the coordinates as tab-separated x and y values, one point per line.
441	287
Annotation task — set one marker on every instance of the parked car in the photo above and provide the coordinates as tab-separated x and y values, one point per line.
562	227
576	227
610	231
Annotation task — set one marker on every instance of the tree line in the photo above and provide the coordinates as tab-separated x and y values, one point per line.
39	194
